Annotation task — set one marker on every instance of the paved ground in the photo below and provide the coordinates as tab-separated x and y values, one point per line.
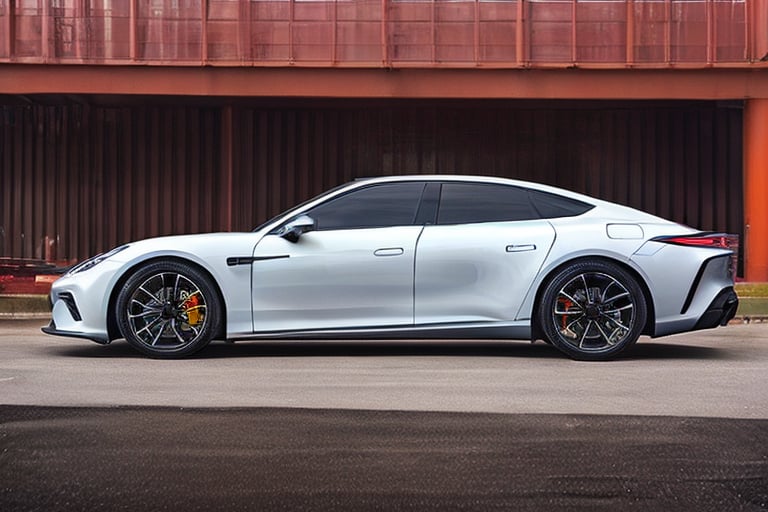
718	373
679	424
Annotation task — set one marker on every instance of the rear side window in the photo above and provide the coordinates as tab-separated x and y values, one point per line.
483	202
551	206
392	204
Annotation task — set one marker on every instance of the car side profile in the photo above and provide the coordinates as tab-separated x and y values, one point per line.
412	257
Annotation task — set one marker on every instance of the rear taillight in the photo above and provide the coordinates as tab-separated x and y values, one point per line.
711	240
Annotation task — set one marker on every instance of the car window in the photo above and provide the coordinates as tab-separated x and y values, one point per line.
551	206
480	202
389	204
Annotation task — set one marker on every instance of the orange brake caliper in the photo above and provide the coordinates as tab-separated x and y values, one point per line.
193	313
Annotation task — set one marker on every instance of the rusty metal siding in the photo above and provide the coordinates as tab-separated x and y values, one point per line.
385	33
79	179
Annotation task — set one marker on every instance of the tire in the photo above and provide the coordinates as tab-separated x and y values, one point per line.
168	309
592	310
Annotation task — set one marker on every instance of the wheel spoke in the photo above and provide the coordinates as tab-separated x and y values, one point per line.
615	298
570	297
618	310
146	313
157	299
586	287
177	333
149	326
618	324
605	336
176	287
159	333
584	335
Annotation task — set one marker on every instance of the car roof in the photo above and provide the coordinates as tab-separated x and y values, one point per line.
478	179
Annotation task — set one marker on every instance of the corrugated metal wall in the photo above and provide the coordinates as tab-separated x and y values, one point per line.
78	179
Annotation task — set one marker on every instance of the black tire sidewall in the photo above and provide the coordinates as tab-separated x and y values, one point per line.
564	275
193	274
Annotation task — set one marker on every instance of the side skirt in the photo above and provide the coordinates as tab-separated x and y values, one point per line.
513	331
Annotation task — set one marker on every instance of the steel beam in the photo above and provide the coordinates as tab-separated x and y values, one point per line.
623	84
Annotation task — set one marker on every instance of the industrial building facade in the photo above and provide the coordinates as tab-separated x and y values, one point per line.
129	119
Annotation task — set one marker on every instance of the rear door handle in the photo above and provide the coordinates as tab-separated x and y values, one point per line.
521	248
389	251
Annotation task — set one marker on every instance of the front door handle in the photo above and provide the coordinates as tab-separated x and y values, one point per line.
521	248
389	251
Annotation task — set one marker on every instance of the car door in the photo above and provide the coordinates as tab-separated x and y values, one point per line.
354	269
477	262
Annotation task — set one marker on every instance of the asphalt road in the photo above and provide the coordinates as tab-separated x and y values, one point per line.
717	373
679	424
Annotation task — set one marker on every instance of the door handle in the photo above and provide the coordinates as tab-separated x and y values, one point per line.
521	248
389	251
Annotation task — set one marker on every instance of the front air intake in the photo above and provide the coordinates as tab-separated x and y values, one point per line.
69	300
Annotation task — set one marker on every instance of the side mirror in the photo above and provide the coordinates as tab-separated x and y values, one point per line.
298	226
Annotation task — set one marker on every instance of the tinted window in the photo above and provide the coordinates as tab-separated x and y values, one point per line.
377	206
475	202
550	206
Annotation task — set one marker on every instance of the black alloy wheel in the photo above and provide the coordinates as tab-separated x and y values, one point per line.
168	309
593	310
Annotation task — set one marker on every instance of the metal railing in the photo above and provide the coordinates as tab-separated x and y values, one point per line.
386	33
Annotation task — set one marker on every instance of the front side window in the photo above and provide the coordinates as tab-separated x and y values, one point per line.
389	204
462	203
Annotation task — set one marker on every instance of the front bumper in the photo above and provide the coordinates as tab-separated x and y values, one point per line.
51	329
80	303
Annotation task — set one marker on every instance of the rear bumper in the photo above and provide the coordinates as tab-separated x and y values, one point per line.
720	311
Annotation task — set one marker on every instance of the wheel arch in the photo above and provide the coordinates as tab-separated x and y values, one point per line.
113	331
650	321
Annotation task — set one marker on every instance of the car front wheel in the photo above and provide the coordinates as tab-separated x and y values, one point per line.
168	309
593	310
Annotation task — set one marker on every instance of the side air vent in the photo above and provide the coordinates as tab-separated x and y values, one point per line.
69	300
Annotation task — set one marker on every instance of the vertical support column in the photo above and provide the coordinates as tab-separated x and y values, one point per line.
227	167
204	32
755	244
573	32
519	39
45	31
384	34
711	33
668	31
433	31
476	33
630	46
759	37
132	30
10	26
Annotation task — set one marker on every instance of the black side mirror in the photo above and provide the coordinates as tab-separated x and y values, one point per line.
297	227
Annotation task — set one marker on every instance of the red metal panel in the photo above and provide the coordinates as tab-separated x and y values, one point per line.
373	33
601	31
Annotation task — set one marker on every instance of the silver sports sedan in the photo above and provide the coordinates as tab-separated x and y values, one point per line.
412	257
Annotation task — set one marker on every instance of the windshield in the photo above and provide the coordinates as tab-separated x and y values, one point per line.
289	213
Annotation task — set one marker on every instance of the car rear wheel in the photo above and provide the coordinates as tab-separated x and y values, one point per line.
593	310
168	309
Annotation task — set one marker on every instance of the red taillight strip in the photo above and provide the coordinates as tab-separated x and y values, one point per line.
710	240
714	240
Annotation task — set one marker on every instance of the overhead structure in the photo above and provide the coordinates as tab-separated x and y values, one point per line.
88	52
